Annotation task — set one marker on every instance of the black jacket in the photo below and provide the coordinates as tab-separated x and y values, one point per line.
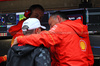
28	56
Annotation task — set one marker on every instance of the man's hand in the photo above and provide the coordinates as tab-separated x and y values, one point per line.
15	41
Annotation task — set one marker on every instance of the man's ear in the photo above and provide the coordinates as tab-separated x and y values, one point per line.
36	30
59	18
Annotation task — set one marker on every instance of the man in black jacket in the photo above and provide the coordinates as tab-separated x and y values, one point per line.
28	55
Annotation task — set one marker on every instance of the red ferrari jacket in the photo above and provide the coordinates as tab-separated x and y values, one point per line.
16	30
68	41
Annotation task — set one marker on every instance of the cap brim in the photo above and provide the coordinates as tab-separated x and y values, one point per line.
43	27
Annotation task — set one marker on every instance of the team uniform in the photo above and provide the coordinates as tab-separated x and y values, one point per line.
68	41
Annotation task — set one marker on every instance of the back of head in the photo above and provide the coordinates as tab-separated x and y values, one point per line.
61	14
28	12
33	7
30	25
28	31
36	6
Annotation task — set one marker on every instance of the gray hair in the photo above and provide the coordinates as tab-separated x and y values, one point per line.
61	14
28	31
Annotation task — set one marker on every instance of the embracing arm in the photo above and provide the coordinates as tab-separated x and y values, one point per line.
46	38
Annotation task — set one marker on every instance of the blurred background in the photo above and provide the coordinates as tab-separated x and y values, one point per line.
12	11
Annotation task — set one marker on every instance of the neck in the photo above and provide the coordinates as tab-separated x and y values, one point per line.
62	20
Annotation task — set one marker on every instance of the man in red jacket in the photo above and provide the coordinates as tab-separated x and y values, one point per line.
68	41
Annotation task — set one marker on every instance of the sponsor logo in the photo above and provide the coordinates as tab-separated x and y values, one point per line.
83	45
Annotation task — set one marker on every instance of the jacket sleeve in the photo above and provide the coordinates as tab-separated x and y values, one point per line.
47	38
44	38
90	55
